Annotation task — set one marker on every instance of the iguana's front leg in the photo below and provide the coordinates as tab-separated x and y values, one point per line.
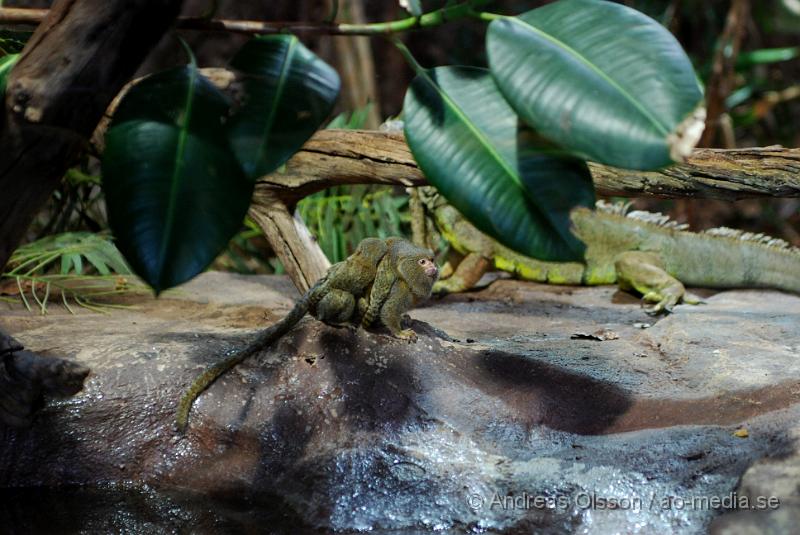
467	274
645	273
452	259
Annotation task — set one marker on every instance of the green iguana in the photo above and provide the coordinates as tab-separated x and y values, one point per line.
640	251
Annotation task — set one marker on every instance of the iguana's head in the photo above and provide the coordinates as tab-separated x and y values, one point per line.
431	199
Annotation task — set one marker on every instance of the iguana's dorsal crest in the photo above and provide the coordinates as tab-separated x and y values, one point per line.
760	238
623	209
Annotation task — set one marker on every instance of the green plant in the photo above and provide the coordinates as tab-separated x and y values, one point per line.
11	44
342	216
516	135
75	205
81	267
572	80
338	217
247	252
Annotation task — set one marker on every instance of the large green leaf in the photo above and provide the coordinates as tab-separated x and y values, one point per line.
511	185
174	190
288	94
601	79
6	64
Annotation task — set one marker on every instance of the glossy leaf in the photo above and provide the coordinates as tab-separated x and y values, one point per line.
601	79
470	144
174	191
288	94
6	64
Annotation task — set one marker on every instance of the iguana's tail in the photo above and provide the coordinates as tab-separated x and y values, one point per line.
725	258
264	338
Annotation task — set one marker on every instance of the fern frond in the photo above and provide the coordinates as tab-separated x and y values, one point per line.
55	266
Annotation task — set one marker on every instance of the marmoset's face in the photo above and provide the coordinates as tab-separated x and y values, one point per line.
429	267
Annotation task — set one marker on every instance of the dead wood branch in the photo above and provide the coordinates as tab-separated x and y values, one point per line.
725	174
334	157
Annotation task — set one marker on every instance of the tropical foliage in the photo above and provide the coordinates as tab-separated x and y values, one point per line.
71	268
570	81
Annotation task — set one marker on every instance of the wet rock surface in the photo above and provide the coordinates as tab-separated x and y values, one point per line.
498	419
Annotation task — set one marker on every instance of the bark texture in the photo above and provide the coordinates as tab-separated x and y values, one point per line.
725	174
289	238
334	157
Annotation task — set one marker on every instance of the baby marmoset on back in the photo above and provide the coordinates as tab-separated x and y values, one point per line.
381	280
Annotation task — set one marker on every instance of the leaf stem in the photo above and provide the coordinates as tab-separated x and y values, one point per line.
408	56
46	297
189	53
22	295
66	304
426	20
487	17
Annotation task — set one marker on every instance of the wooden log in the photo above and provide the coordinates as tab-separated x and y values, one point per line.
289	238
336	157
725	174
333	157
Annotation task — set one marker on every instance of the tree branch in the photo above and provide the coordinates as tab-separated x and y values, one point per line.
725	174
333	157
17	15
289	239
